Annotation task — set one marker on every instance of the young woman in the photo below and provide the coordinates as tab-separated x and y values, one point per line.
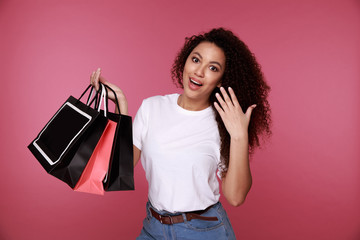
186	139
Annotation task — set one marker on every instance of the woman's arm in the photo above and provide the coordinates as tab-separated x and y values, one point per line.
137	153
237	182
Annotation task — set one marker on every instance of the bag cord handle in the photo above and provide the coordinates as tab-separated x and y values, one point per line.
96	97
116	99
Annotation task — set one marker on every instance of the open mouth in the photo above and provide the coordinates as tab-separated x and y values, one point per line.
194	82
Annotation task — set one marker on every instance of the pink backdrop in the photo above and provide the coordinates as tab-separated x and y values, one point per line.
305	181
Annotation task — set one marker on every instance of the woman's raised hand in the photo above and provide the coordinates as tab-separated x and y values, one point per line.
235	120
95	80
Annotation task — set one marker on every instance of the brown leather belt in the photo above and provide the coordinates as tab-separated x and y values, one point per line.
167	219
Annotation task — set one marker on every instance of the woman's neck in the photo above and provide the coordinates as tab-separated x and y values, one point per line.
192	104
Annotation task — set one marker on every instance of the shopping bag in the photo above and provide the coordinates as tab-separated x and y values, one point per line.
97	167
112	157
120	174
64	146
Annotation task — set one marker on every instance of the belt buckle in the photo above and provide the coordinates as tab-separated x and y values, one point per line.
161	220
171	221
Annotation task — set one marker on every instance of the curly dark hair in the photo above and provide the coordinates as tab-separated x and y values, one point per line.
243	74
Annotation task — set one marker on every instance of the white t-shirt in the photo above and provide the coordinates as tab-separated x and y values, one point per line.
180	153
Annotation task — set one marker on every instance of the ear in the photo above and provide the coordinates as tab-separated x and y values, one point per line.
219	84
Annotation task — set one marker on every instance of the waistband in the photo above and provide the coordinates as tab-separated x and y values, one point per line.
181	216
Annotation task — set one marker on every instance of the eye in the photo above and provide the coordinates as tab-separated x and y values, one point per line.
213	68
195	59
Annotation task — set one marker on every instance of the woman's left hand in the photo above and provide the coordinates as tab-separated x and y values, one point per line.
235	120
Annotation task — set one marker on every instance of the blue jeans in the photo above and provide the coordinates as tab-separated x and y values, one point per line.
194	229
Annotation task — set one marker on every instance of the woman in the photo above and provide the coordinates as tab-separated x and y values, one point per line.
184	139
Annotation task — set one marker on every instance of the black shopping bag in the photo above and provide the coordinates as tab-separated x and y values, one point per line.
120	174
65	144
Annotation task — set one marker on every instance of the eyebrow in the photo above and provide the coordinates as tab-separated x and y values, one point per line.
213	62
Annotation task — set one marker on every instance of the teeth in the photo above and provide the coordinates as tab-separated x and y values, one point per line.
195	82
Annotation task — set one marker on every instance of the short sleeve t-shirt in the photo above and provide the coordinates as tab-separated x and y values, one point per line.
180	153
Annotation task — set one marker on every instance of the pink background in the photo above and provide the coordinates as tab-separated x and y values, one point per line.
306	182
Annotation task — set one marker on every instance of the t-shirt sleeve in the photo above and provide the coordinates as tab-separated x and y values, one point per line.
139	126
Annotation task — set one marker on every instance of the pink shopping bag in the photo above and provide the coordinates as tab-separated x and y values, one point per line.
91	180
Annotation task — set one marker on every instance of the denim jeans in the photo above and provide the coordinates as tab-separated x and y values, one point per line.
194	229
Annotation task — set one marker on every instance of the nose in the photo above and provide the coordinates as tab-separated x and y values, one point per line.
199	71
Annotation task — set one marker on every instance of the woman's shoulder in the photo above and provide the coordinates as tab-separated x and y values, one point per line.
159	104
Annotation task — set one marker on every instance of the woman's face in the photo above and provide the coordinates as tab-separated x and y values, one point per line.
203	70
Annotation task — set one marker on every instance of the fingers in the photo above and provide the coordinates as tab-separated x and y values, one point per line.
249	110
226	97
230	103
234	98
225	101
219	109
222	103
95	78
221	100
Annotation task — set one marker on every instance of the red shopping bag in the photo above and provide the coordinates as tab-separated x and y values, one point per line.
91	180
